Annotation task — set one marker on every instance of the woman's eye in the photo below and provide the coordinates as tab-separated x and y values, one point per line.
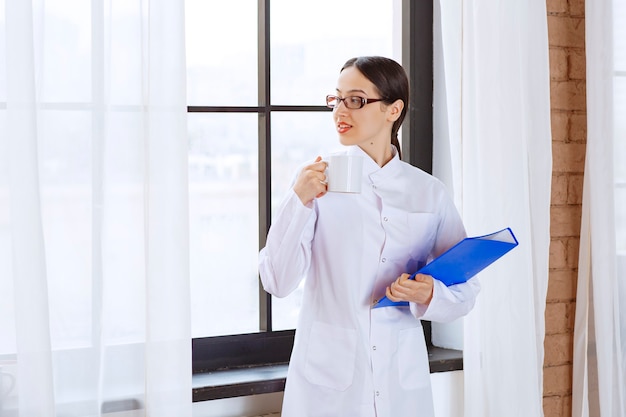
355	101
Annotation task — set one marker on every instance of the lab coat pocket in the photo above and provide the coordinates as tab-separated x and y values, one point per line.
330	357
413	367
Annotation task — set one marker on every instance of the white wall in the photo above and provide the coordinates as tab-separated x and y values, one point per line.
447	395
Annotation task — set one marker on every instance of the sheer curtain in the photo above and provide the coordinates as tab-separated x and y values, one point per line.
600	327
94	289
494	149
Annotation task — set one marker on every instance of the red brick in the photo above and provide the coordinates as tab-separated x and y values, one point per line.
562	285
557	380
553	406
556	318
568	95
571	316
566	31
565	221
559	192
573	245
557	7
558	254
560	121
568	157
576	65
577	8
559	64
567	405
575	188
578	128
558	349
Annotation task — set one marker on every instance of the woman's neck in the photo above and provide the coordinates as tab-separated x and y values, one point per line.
381	154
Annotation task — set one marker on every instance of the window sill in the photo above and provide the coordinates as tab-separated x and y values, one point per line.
271	378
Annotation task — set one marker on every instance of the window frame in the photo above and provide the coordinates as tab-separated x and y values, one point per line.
268	347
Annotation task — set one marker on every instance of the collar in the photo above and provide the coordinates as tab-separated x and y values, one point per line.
372	170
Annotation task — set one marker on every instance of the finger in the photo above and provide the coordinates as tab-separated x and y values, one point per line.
421	277
319	165
403	277
397	290
314	176
390	295
321	177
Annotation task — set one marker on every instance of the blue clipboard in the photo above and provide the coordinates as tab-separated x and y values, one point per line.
464	260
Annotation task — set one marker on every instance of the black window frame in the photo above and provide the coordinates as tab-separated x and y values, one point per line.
268	347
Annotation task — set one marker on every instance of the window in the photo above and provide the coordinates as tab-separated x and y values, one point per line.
257	79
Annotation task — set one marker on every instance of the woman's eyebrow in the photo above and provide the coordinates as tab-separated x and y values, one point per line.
356	90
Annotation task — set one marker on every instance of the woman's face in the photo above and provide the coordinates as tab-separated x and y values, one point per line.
369	126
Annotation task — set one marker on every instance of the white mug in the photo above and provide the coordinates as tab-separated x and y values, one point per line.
344	173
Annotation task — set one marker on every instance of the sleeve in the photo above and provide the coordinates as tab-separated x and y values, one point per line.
448	303
286	257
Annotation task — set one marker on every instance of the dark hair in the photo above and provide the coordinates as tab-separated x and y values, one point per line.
391	81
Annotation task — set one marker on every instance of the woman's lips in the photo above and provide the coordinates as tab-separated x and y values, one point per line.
343	127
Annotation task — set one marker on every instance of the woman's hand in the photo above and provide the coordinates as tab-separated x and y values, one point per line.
311	182
419	290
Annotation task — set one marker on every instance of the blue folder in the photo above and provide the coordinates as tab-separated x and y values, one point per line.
464	260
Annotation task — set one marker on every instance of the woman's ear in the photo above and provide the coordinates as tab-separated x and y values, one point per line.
394	110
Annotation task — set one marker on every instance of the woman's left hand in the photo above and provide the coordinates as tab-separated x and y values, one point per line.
419	290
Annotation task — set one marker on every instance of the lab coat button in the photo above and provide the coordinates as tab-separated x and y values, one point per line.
385	219
377	393
383	260
373	347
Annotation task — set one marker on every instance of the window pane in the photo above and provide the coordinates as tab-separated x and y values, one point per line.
221	42
65	172
297	138
305	53
223	220
66	39
123	44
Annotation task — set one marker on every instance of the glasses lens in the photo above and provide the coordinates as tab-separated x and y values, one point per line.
331	101
354	102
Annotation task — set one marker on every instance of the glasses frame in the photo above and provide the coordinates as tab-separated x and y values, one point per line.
364	101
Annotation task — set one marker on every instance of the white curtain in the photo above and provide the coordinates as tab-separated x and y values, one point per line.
94	288
599	369
494	150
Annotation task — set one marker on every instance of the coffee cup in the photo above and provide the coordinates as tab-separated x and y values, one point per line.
344	173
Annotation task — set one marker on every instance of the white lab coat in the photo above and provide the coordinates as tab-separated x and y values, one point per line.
350	360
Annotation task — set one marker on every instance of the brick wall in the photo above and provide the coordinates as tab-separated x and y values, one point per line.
566	32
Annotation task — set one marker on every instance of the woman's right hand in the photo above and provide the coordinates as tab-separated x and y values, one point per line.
311	182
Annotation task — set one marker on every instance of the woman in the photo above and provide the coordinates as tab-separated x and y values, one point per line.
349	359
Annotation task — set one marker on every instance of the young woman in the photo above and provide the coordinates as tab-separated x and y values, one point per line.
349	359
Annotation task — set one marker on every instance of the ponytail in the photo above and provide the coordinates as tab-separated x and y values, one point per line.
396	143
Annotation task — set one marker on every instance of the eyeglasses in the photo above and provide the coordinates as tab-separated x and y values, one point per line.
353	102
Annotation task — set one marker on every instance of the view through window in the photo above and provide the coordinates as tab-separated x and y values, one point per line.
226	88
